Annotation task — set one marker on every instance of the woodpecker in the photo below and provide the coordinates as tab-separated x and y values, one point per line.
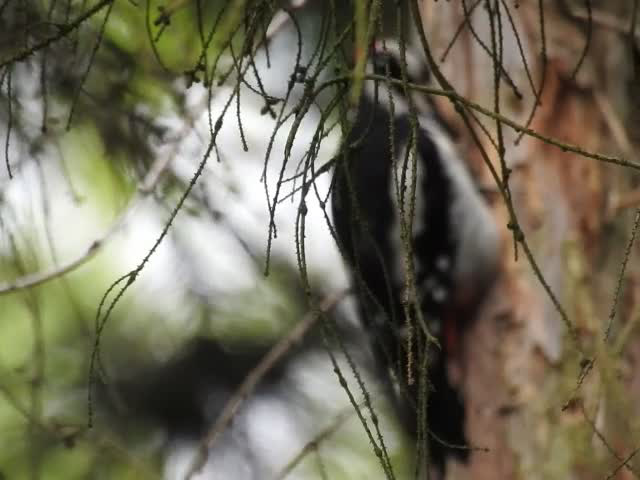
405	207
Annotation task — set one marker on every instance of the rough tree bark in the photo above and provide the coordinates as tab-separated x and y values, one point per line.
521	366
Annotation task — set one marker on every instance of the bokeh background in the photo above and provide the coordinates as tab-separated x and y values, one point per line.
107	114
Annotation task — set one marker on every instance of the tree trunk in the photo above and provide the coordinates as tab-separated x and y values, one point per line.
522	363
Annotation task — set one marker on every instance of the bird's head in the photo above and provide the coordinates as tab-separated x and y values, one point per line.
389	58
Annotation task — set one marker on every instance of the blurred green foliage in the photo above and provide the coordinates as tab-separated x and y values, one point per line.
86	107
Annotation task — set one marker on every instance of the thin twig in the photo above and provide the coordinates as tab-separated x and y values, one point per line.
623	268
254	377
313	444
63	30
9	124
587	42
624	463
92	57
607	444
460	99
35	279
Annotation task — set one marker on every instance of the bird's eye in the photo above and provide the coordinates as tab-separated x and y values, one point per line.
380	63
385	64
395	70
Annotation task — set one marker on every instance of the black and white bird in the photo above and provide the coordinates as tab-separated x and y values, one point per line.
447	225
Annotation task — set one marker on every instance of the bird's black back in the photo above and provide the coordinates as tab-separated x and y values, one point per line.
366	218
